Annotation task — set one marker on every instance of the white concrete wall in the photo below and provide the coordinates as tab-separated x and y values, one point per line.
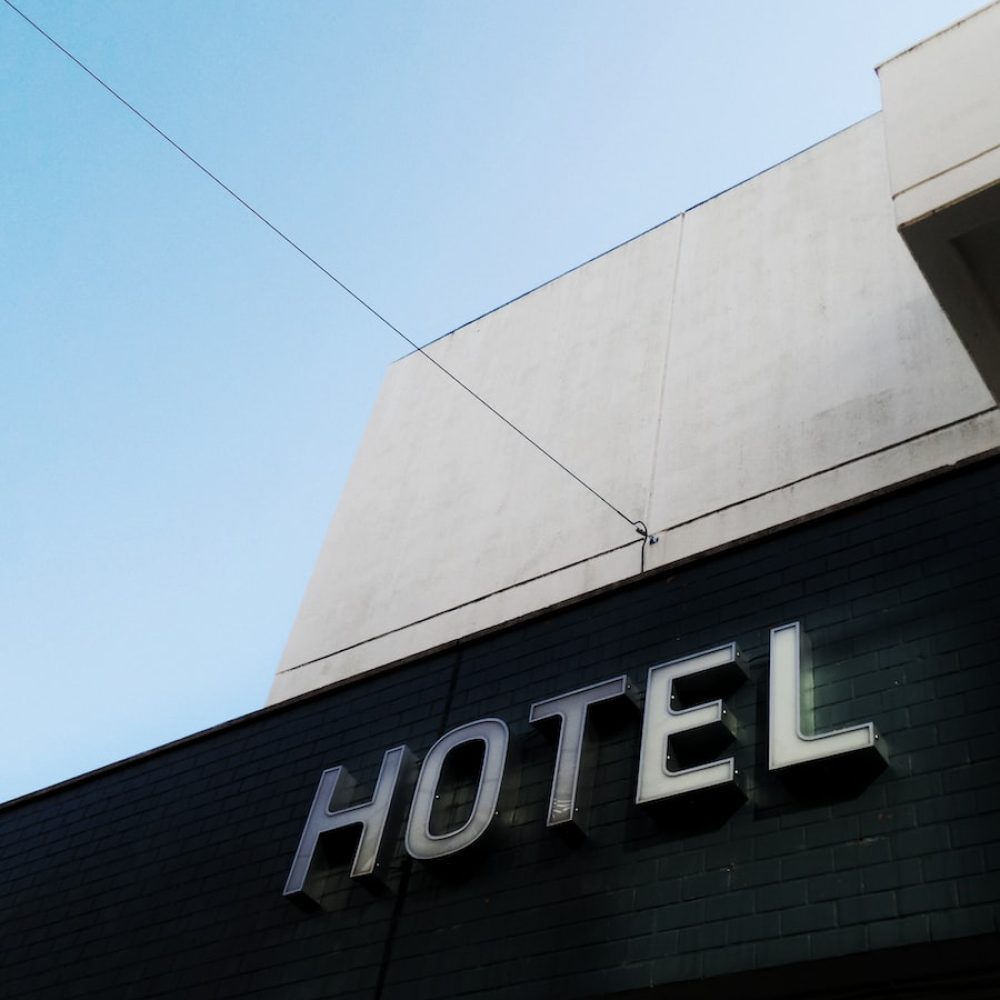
804	338
767	356
942	104
445	504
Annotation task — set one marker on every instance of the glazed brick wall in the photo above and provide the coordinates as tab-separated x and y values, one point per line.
162	877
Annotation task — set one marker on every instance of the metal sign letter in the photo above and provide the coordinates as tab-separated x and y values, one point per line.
421	843
329	811
791	736
566	807
663	722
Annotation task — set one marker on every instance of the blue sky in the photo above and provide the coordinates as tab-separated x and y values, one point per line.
182	395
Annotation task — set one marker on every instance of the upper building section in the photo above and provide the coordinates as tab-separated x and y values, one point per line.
941	102
770	355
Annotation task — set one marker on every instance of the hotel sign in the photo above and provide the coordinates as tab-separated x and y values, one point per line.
677	713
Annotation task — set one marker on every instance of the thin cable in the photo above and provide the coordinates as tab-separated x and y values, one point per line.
638	525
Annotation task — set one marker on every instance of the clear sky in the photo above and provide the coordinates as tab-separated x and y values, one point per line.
182	395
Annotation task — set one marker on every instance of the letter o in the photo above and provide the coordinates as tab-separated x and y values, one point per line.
427	846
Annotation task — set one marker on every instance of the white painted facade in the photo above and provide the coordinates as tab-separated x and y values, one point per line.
942	124
772	354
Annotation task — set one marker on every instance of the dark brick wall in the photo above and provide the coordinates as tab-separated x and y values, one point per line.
163	877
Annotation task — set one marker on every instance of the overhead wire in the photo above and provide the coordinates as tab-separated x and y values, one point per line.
637	524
